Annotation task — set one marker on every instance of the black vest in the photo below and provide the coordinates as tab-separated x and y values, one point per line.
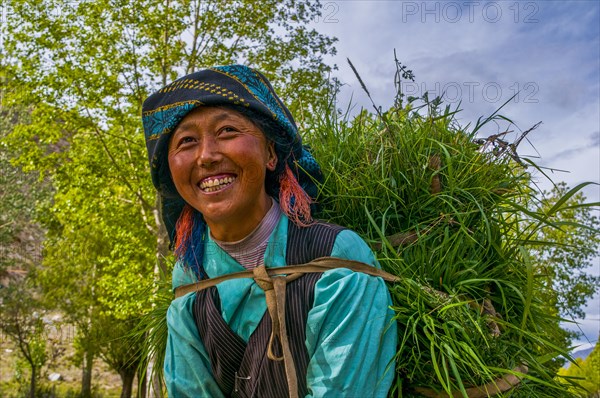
243	370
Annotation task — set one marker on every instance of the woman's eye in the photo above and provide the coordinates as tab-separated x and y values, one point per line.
185	140
228	129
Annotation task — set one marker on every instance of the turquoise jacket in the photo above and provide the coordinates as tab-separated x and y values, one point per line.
350	336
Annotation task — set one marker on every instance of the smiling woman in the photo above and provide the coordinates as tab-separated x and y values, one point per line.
236	186
218	161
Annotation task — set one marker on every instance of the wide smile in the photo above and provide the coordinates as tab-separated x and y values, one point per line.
216	183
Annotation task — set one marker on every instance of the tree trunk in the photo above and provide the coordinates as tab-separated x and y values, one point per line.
162	239
154	389
127	377
32	381
86	377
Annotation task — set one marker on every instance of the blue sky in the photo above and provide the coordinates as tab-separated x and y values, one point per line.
481	53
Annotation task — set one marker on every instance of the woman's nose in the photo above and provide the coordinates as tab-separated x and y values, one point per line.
208	152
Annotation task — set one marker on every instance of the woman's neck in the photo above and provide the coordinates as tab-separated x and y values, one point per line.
235	231
250	250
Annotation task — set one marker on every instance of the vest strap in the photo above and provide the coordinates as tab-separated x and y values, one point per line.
321	264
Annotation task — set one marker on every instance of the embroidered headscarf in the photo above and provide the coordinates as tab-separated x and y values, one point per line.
248	91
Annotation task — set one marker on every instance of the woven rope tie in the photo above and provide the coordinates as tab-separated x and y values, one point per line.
274	288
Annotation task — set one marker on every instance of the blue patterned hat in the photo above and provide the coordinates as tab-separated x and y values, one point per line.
237	86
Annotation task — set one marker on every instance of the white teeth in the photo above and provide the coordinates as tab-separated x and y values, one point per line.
211	185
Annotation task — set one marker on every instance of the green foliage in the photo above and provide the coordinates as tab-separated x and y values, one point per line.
82	70
21	320
106	56
573	245
455	216
19	234
20	309
99	251
585	372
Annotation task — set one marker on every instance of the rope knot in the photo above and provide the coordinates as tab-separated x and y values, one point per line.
262	278
274	288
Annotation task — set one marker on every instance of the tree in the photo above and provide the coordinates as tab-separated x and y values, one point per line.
585	372
122	355
88	66
24	327
20	236
99	254
575	244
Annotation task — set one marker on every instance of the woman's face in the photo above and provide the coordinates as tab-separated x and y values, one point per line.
218	161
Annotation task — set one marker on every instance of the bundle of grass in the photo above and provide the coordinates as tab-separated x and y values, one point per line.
451	214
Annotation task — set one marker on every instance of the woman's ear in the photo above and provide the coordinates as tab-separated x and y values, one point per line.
272	159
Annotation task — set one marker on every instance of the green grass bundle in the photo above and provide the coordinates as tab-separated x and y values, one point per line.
450	214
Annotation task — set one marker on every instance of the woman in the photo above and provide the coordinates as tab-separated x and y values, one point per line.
236	187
